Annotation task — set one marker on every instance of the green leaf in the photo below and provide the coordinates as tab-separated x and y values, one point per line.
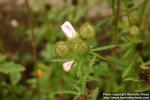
104	48
97	55
101	69
147	63
48	52
2	57
133	78
127	70
142	88
128	52
95	94
129	67
65	92
60	60
112	46
15	77
93	61
90	78
11	67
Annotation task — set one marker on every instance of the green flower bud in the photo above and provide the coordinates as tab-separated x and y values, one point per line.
78	46
87	31
61	49
134	30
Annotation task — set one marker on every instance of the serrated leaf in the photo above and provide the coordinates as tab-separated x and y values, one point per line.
11	67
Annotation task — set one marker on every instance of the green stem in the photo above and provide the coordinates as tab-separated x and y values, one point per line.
145	3
113	6
66	92
129	16
33	43
116	20
13	89
82	76
135	8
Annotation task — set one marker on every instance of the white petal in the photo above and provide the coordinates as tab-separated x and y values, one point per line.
68	29
67	65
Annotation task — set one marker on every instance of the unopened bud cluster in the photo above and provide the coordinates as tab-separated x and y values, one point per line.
76	43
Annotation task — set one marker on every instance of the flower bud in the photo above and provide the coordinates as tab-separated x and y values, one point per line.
61	49
79	46
134	30
87	31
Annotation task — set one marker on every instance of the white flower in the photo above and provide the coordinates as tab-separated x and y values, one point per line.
67	65
70	32
68	29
